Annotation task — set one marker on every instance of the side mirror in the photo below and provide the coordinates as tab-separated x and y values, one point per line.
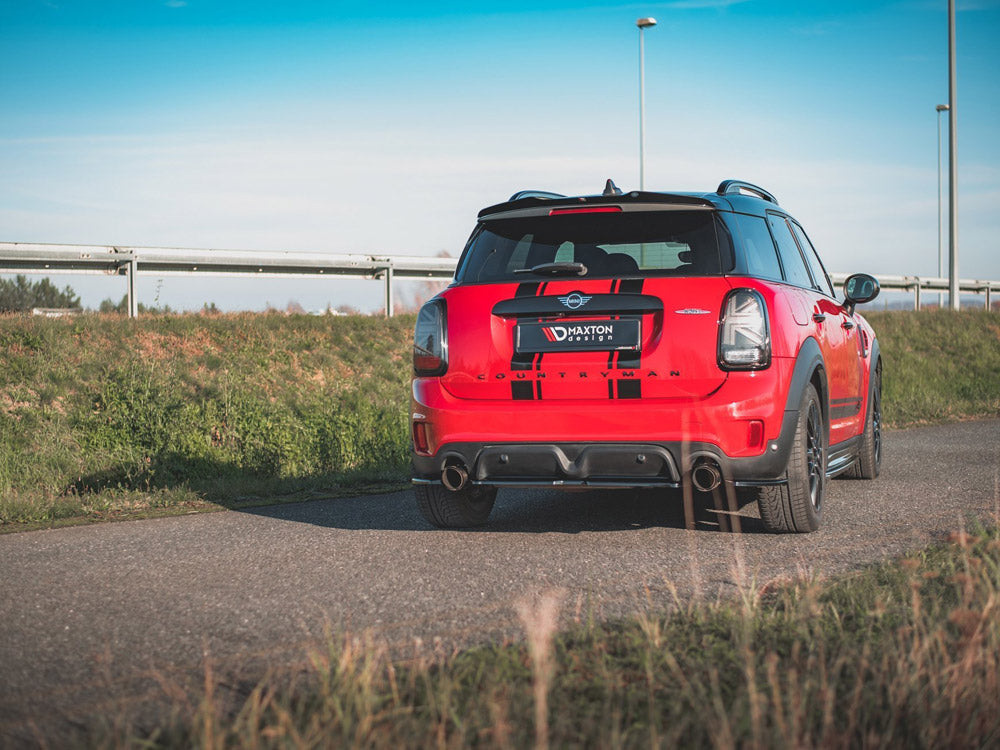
859	289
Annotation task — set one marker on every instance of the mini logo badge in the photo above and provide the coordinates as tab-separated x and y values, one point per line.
573	300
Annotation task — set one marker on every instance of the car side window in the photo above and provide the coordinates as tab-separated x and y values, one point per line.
791	258
815	264
762	258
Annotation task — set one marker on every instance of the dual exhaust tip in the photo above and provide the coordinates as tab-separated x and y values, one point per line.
705	476
454	477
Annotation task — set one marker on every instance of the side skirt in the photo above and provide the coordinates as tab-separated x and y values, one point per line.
842	456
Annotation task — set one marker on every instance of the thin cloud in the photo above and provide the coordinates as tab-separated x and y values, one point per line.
176	4
821	28
701	4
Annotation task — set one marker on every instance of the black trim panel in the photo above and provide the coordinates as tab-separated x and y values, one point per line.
549	306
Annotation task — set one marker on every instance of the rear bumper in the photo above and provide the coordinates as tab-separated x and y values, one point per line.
609	443
605	465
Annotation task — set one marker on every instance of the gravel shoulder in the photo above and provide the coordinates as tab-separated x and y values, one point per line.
108	621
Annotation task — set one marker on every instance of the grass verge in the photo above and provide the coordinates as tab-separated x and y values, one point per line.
104	418
938	365
902	654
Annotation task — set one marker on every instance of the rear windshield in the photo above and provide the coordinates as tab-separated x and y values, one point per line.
653	243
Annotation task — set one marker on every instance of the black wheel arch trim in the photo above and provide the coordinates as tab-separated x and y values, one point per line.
809	367
808	363
876	365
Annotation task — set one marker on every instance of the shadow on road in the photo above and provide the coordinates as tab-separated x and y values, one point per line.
526	511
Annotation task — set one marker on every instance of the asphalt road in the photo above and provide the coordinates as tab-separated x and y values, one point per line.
100	622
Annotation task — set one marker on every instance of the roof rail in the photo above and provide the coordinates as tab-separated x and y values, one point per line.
737	186
534	194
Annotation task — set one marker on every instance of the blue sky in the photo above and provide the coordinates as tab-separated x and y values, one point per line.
344	127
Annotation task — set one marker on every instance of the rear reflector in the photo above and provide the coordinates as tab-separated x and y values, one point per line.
755	435
420	444
588	210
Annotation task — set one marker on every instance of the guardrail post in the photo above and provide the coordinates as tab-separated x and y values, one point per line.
131	272
916	296
388	292
988	297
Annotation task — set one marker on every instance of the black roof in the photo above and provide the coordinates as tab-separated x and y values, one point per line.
731	195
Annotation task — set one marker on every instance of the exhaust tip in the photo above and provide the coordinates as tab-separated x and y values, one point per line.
705	475
454	477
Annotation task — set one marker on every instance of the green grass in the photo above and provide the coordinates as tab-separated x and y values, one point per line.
903	654
939	365
102	417
105	418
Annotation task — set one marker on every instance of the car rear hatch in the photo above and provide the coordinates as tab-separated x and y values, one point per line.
607	301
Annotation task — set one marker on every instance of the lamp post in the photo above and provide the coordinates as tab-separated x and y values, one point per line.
940	108
953	296
642	23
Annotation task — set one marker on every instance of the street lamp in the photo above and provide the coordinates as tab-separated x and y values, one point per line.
940	108
954	300
642	23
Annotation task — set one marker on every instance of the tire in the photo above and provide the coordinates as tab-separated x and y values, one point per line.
797	506
445	509
869	463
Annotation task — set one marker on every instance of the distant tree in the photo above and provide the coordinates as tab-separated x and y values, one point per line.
21	295
108	305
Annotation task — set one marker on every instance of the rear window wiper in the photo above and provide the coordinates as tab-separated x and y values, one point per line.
556	269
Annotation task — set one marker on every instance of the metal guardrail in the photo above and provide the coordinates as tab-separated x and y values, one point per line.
916	284
19	257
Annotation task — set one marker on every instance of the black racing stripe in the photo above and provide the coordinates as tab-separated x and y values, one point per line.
629	360
630	286
538	362
538	389
522	390
629	389
523	360
612	354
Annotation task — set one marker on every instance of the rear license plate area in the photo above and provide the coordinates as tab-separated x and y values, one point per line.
578	336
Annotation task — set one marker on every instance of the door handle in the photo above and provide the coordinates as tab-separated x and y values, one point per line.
819	317
847	325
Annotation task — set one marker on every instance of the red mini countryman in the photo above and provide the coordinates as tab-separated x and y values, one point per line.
643	340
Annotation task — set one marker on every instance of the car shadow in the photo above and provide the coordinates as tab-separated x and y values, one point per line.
531	511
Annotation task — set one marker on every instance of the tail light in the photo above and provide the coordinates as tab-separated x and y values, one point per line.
744	336
430	340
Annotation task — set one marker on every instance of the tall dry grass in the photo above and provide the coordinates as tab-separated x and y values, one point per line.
904	654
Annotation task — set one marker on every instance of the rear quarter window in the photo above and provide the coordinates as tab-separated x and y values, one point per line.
791	259
812	258
761	255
